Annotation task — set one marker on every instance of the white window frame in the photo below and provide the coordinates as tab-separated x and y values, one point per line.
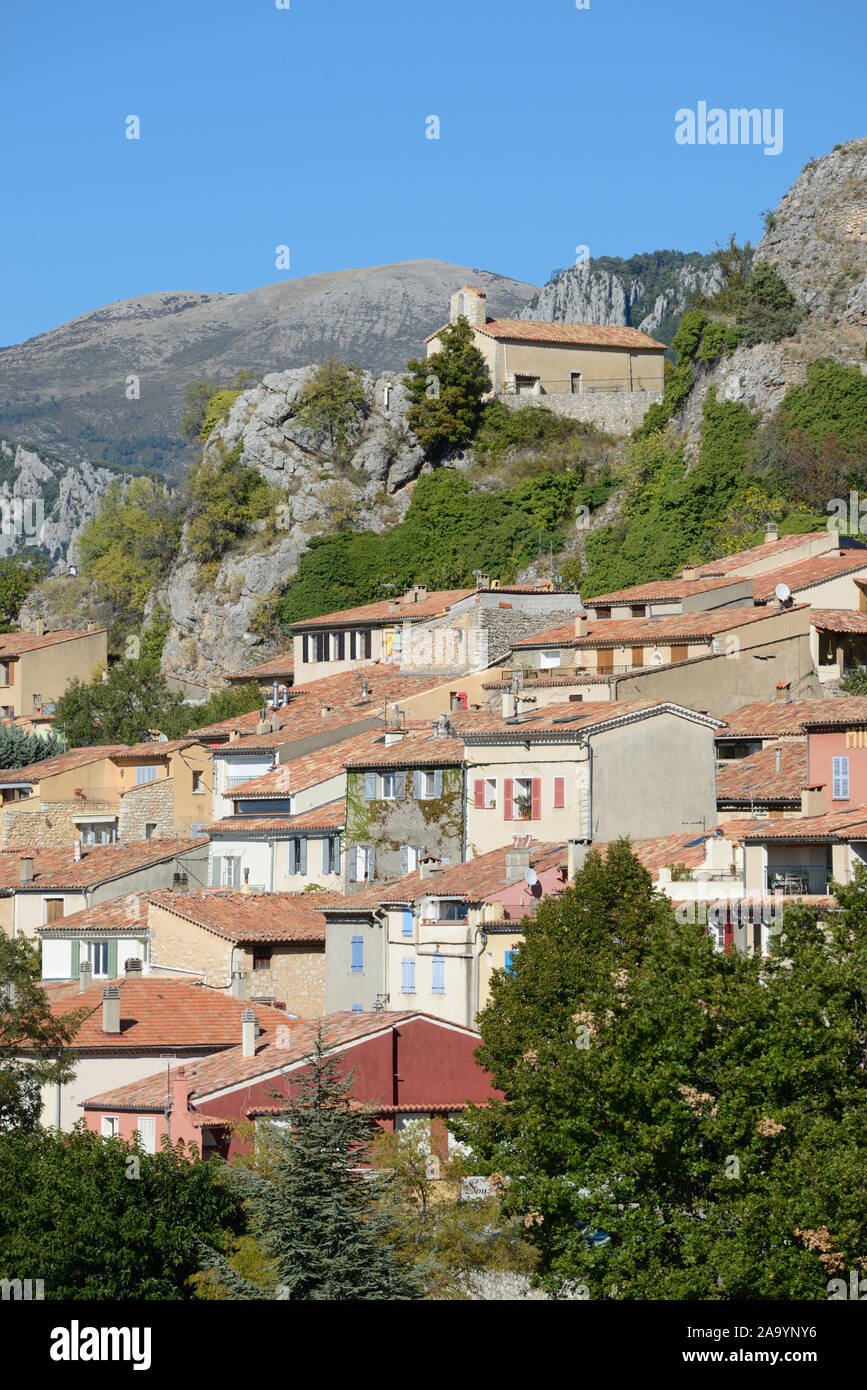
549	659
490	798
141	773
427	785
146	1128
389	786
109	1126
840	778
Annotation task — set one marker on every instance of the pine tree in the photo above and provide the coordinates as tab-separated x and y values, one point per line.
446	391
324	1227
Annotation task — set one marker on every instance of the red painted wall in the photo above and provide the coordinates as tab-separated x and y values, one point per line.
822	748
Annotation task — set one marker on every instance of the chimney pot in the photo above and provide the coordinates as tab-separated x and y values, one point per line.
133	968
510	704
249	1032
26	870
576	854
240	984
781	693
771	531
85	975
111	1009
581	625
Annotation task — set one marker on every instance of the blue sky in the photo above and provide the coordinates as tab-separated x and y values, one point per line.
305	127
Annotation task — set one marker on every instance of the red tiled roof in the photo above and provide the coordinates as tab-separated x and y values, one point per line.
299	773
804	573
841	826
581	334
475	880
413	750
57	869
756	779
728	564
232	1068
329	817
838	620
430	607
126	913
15	643
251	916
163	1013
61	762
152	749
574	717
662	590
625	632
767	719
842	709
277	669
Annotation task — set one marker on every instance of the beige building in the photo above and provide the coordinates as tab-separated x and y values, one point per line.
37	667
108	794
556	359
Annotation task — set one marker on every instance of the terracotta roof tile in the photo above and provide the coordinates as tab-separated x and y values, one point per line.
299	773
278	668
126	913
57	869
767	719
414	750
251	916
728	564
804	573
430	607
662	590
14	643
842	709
841	826
475	880
572	718
755	779
625	632
62	762
838	620
329	817
586	334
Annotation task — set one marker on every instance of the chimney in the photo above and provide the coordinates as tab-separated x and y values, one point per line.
576	854
495	912
779	759
91	627
581	625
517	862
689	572
85	975
770	531
26	871
812	801
326	709
365	689
781	693
76	850
274	695
483	581
133	968
249	1032
510	704
39	627
394	605
240	984
234	735
246	887
111	1009
181	1092
428	867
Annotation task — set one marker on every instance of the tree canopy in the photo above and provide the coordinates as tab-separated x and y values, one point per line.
446	391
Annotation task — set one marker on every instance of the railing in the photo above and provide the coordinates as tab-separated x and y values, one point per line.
582	387
798	878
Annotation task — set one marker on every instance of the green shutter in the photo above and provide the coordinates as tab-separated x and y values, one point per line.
112	959
75	958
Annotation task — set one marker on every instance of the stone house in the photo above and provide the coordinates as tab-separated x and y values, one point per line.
525	357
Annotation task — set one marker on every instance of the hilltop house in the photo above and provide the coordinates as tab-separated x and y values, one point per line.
37	667
526	357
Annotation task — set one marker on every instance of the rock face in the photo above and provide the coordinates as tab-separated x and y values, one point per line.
817	237
647	292
45	503
210	629
76	385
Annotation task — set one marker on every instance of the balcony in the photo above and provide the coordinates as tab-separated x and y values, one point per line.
798	878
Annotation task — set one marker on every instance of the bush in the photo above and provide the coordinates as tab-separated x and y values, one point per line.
330	405
224	497
767	309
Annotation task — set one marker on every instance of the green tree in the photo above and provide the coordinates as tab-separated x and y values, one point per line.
18	749
223	704
331	405
132	699
224	497
767	310
26	1021
100	1219
322	1226
128	545
17	578
679	1123
446	391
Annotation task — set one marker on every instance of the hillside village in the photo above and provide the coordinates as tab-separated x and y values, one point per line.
410	780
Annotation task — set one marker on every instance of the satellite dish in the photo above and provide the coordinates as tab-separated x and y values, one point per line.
783	592
531	877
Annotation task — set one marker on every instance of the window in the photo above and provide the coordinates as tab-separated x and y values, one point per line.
357	964
451	912
261	957
331	854
840	778
361	863
393	786
370	786
5	672
438	985
227	871
603	613
147	1133
637	656
150	829
427	785
508	966
53	909
485	794
407	975
358	1008
97	953
264	806
296	852
98	832
145	774
548	659
522	798
638	610
109	1126
680	653
406	921
198	785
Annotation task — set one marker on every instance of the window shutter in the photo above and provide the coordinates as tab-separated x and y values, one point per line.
292	856
357	953
216	871
406	921
112	959
559	793
75	958
368	642
404	859
479	794
400	786
416	784
302	856
371	863
508	799
341	645
352	865
535	798
841	779
370	786
438	783
439	975
407	975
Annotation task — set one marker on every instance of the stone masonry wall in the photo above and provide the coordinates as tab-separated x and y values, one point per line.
616	412
151	802
52	825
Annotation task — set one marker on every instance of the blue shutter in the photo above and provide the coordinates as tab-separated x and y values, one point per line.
438	783
302	856
407	978
400	786
406	921
439	975
370	786
292	856
404	859
112	959
357	953
75	958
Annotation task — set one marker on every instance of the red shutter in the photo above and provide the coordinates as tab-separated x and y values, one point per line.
536	798
508	806
559	793
479	794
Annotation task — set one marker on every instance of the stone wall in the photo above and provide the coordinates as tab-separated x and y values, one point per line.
296	977
153	802
616	412
49	825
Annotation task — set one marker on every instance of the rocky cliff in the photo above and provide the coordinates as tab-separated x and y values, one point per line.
45	502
